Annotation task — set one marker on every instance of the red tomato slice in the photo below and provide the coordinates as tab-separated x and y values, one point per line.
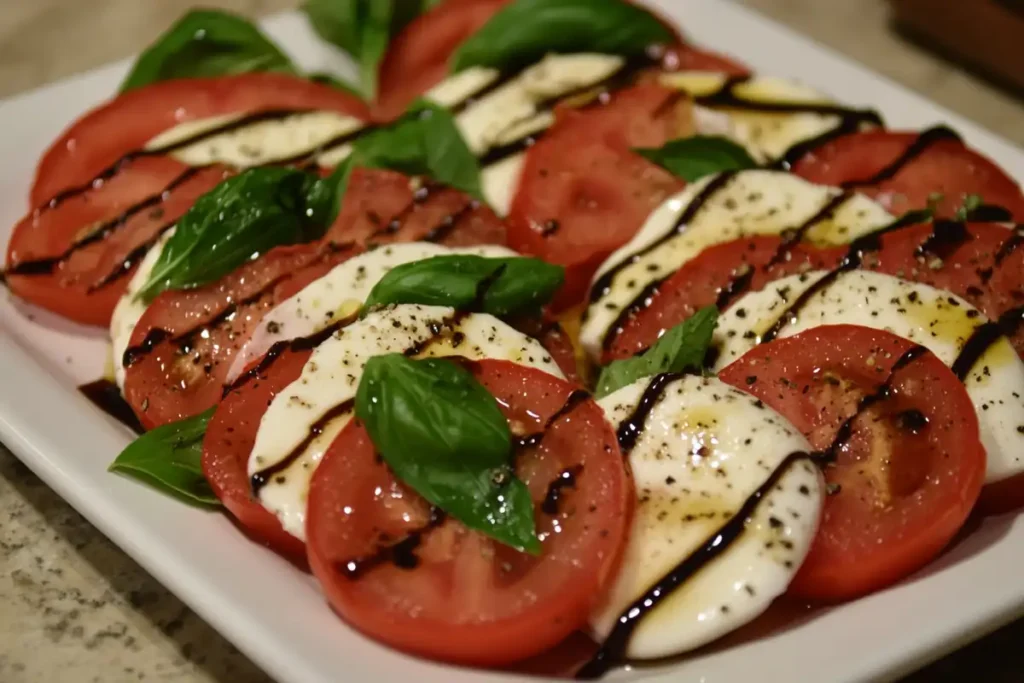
100	138
183	346
468	599
907	469
230	437
382	206
76	259
72	254
700	283
946	167
418	57
583	193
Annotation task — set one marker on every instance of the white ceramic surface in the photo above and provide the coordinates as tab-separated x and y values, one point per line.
275	614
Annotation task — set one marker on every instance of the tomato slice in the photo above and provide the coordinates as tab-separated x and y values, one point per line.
383	206
76	259
702	280
418	58
898	430
945	167
583	193
97	210
182	348
103	136
459	596
230	437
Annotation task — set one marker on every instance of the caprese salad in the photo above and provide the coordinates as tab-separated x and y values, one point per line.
553	323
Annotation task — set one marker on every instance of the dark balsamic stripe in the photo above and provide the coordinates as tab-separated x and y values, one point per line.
553	496
643	299
632	427
502	79
575	399
945	239
798	151
261	478
117	166
982	339
613	650
106	396
448	224
401	554
1015	241
45	266
884	391
129	261
918	147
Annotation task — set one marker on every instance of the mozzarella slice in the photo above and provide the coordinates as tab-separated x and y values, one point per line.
129	310
331	376
337	295
255	144
757	202
930	317
766	134
703	451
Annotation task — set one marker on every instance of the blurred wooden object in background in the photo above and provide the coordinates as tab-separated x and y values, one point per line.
987	35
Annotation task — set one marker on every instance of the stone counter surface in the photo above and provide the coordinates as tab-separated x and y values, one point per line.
73	607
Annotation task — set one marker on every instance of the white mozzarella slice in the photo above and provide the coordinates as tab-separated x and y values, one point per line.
766	135
460	87
756	202
129	310
331	376
703	451
337	295
933	318
257	143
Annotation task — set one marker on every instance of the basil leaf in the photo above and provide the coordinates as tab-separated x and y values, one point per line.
206	43
425	142
241	218
169	458
363	28
499	286
970	205
695	157
442	434
682	347
523	32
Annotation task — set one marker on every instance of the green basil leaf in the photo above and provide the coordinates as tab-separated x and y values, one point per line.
424	142
206	43
241	218
523	32
363	28
169	458
443	434
499	286
971	204
695	157
681	348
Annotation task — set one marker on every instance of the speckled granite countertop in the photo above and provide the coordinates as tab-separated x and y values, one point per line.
73	607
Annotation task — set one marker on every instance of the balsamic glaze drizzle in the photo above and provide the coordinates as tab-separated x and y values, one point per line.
613	650
947	236
918	147
448	224
883	392
575	399
105	395
565	480
632	427
261	478
982	339
402	553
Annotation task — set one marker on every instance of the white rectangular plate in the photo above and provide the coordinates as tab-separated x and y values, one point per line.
275	614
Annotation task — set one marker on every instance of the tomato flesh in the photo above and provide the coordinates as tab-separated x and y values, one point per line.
700	282
946	169
906	475
461	597
583	193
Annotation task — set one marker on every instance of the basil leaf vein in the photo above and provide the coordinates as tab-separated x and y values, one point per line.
238	220
169	458
499	286
694	157
525	31
443	434
681	348
206	43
